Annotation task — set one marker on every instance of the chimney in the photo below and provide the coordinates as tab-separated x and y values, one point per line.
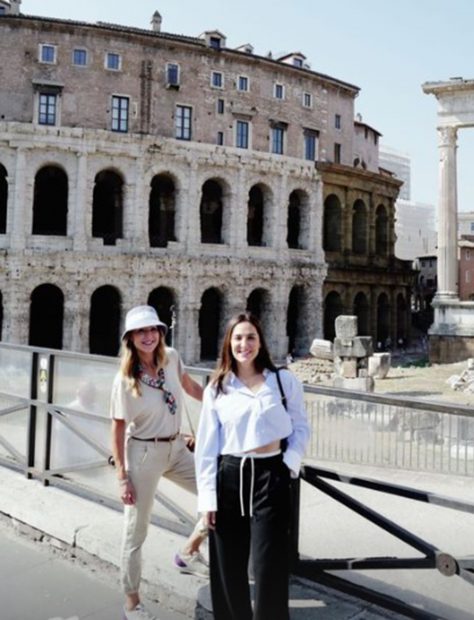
15	7
156	22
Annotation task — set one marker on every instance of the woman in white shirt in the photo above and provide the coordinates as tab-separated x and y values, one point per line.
243	475
146	403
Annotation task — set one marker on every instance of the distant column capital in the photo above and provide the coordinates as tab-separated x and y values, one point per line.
447	136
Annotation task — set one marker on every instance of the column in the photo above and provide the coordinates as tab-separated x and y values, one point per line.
447	215
79	229
18	225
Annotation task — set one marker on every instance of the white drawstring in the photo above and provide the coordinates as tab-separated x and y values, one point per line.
243	458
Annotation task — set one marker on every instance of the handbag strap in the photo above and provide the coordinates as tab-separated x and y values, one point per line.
280	387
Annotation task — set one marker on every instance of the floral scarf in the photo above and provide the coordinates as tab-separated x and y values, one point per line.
159	384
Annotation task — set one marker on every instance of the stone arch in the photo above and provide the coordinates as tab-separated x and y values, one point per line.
259	303
210	315
381	231
258	217
296	320
333	307
164	301
402	325
107	206
383	320
362	312
46	317
359	227
104	321
211	211
3	199
332	224
298	220
50	200
162	210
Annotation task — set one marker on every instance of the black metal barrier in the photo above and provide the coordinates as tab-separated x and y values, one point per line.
432	557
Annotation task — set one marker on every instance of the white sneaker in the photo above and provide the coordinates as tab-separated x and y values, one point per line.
192	564
139	613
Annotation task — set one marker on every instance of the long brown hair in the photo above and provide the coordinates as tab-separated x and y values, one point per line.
130	361
227	364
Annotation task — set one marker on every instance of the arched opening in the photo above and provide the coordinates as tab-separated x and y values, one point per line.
332	224
361	311
107	207
383	321
333	307
50	202
255	216
294	221
211	212
381	231
296	323
104	321
209	323
46	317
359	228
402	332
162	211
3	200
259	304
163	300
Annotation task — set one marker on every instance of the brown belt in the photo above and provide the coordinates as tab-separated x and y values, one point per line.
170	438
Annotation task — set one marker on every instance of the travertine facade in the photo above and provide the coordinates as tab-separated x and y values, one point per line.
141	166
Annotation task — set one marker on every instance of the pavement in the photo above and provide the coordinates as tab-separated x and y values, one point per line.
60	554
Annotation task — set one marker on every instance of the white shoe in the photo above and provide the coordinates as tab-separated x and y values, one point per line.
192	564
139	613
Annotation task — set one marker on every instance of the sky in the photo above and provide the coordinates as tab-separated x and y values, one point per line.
388	48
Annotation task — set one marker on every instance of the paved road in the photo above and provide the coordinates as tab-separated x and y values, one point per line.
38	584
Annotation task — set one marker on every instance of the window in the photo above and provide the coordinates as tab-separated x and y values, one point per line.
47	110
297	62
468	254
183	122
279	91
311	145
337	153
215	43
79	57
217	79
113	61
337	121
220	138
2	10
277	140
220	106
472	226
468	277
242	135
307	100
243	83
172	74
48	54
120	106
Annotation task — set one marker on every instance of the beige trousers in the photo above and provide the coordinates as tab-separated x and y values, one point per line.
147	462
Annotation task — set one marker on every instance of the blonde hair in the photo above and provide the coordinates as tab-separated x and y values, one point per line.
130	361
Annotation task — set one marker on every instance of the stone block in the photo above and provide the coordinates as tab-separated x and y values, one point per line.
346	327
322	349
349	369
360	346
359	384
379	365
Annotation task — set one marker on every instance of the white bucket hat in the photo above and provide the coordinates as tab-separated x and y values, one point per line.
142	316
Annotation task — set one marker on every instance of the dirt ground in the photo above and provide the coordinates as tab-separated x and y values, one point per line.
403	379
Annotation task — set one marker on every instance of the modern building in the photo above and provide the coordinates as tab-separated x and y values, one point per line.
465	223
141	166
466	268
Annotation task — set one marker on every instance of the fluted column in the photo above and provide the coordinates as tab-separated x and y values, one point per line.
447	215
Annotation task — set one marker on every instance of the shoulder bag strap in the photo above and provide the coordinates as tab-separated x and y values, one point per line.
280	387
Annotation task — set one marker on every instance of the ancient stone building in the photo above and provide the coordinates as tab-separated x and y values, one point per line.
139	166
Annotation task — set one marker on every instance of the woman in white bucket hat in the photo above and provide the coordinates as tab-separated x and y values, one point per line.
146	403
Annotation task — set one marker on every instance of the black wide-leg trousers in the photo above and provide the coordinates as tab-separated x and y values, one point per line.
266	533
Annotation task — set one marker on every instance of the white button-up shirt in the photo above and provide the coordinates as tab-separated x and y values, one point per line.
239	420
